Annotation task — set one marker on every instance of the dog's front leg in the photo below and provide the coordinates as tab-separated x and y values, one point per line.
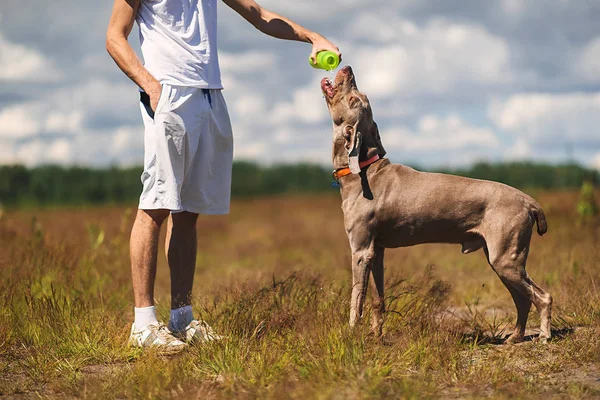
361	267
377	286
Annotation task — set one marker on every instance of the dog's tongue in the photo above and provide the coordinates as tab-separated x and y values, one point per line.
327	87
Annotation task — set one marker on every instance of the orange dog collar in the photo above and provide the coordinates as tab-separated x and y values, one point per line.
346	171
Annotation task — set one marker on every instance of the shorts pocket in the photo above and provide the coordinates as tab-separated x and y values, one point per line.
145	100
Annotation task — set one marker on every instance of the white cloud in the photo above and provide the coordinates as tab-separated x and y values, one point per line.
542	116
436	58
18	121
59	151
39	151
122	146
125	138
519	151
64	122
307	105
596	162
7	152
37	118
247	62
314	10
435	134
32	153
98	96
69	126
589	60
126	145
67	110
250	106
252	151
20	63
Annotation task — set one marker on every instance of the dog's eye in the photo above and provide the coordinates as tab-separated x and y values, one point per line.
352	101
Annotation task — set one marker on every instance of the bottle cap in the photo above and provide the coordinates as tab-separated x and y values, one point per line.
327	60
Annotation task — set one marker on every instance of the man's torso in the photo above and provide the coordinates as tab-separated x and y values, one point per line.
179	41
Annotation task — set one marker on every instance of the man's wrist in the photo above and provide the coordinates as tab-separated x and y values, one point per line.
152	86
156	88
311	37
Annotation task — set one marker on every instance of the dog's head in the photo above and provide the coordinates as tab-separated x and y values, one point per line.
355	134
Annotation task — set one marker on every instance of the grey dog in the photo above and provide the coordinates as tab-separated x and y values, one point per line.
388	205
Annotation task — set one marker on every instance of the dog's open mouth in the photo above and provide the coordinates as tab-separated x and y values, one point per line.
327	87
344	77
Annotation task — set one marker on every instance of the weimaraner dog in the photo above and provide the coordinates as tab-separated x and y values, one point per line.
389	205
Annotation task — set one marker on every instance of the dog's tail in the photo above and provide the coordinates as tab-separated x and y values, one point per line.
538	216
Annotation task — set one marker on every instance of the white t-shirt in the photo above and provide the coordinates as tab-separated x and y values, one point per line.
179	41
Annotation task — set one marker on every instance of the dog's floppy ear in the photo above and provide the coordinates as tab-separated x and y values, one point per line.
377	138
353	145
372	143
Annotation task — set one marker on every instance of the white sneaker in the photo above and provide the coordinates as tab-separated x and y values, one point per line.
156	336
197	332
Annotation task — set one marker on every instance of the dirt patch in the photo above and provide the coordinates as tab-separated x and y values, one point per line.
103	369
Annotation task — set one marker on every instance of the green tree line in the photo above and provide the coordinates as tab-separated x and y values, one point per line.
55	185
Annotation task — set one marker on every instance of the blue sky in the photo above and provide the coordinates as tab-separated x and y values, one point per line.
451	82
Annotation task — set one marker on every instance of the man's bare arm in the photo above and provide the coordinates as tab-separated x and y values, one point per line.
280	27
119	28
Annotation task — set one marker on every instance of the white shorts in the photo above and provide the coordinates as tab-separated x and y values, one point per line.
188	151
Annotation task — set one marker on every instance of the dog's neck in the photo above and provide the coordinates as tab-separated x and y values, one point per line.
353	185
366	141
340	155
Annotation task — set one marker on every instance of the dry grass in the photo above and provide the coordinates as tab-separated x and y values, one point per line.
274	277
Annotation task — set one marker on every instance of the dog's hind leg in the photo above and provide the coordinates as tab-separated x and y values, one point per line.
543	303
377	286
522	302
508	257
362	262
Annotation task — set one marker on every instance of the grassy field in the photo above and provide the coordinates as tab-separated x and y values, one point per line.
274	276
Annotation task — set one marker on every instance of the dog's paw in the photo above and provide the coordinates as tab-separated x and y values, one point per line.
541	339
514	339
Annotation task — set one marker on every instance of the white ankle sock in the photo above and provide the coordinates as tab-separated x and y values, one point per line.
144	316
180	318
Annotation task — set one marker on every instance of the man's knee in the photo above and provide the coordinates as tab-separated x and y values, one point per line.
153	216
184	220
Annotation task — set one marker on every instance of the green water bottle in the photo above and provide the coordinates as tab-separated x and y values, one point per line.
326	60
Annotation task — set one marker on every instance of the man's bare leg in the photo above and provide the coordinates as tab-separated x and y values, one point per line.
180	248
143	251
146	331
181	245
